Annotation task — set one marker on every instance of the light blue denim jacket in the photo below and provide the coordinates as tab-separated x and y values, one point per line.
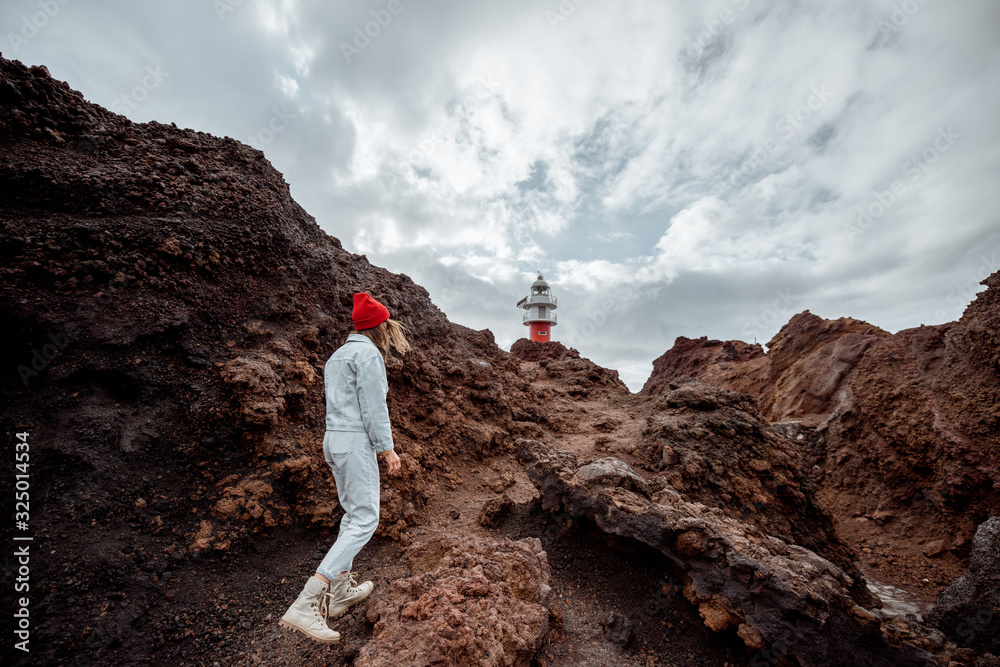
356	387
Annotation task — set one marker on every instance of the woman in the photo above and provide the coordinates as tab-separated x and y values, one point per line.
357	430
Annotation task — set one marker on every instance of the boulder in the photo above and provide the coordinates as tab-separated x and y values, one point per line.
468	601
968	611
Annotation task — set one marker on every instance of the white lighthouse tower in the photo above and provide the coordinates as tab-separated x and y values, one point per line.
539	311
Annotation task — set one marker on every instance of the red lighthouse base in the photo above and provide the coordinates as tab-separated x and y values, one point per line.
539	331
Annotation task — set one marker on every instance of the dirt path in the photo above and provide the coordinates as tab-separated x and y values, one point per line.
614	602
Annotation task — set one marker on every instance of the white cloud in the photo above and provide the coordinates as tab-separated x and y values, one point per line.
286	84
677	150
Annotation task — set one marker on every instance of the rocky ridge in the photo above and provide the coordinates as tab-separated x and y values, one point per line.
194	305
740	578
902	430
172	308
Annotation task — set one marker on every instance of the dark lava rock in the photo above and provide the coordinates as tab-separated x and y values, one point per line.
618	629
778	596
969	610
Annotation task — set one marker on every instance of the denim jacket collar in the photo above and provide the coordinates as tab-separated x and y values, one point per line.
356	337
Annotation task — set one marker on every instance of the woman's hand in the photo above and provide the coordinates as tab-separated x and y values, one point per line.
392	458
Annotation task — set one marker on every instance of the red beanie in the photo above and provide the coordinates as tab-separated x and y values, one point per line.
368	312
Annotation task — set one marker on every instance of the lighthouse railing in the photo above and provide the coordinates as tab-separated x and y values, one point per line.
527	317
547	299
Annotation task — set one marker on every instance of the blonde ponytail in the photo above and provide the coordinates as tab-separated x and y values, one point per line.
388	336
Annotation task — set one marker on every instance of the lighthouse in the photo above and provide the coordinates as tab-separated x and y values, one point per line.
539	311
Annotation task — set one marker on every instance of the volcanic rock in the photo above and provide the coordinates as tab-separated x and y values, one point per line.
905	421
921	426
211	314
576	376
526	349
803	376
812	362
469	601
732	364
618	628
714	447
969	611
494	510
169	309
738	575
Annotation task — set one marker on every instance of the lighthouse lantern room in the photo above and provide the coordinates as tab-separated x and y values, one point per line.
539	311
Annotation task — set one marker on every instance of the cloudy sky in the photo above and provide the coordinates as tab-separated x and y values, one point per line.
672	168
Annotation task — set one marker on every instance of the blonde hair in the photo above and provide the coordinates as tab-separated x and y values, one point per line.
387	336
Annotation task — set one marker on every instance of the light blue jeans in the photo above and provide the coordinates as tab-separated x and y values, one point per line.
352	458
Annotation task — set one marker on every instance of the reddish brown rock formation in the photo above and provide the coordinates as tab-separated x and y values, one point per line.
919	437
812	363
171	309
554	361
741	566
468	602
191	304
904	418
713	447
526	349
732	364
804	375
907	446
192	283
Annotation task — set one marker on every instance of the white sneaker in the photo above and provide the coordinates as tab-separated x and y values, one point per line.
307	614
344	593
